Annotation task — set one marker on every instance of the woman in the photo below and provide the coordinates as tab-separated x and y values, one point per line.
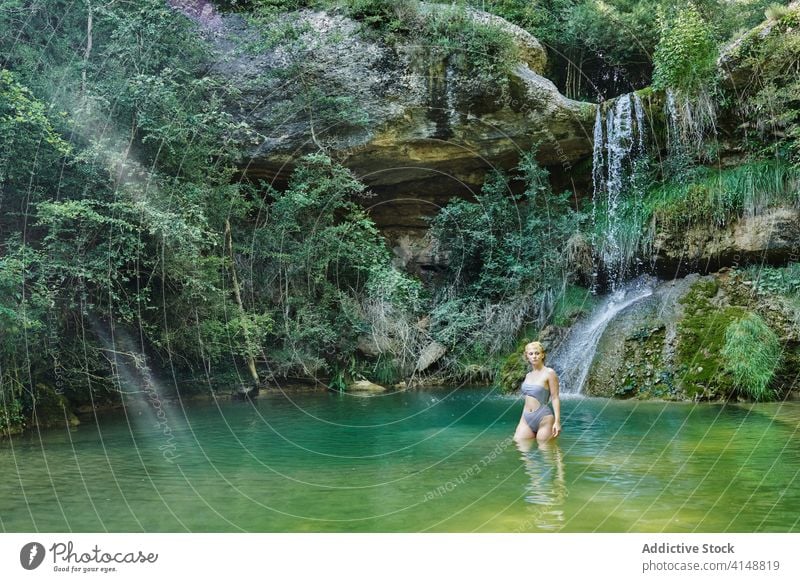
539	420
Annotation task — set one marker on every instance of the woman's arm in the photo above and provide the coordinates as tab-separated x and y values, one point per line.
555	401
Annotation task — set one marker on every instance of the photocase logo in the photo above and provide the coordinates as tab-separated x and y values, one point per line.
31	555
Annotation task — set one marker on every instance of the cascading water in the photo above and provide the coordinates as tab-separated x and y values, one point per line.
574	356
690	122
638	108
674	140
598	163
614	155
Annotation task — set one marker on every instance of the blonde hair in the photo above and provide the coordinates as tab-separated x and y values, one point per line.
538	346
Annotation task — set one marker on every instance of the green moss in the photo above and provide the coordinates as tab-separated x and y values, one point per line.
646	374
786	375
512	372
512	369
701	338
572	303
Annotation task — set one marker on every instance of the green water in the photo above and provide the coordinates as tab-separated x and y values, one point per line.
435	460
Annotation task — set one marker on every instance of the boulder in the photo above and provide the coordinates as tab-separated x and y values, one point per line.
731	63
430	354
636	353
669	344
365	386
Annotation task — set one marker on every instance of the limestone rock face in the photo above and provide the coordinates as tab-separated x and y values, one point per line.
772	236
406	119
639	353
636	353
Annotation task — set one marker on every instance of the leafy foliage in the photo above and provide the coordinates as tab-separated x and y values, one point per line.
262	5
771	97
776	280
391	17
116	181
685	57
481	51
318	255
597	50
506	261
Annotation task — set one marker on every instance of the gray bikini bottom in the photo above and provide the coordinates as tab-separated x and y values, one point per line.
535	418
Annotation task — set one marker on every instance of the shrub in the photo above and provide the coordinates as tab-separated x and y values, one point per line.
483	53
507	263
387	16
317	261
685	57
752	354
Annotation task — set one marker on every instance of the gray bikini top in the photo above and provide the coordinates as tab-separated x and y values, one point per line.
538	391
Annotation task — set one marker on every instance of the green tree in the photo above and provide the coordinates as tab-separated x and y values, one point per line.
318	256
506	260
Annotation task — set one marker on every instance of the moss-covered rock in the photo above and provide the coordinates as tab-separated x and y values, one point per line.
512	370
672	345
51	409
635	356
646	372
409	118
701	337
779	306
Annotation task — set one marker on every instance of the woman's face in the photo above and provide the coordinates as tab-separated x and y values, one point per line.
534	355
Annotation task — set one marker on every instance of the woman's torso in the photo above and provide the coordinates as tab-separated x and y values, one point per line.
535	387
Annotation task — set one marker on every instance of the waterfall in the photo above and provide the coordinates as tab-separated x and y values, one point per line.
615	151
638	108
673	131
598	179
573	358
689	122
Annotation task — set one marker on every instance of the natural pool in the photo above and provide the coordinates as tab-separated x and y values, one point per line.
430	460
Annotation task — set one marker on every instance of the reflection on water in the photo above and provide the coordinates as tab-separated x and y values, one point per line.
547	488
